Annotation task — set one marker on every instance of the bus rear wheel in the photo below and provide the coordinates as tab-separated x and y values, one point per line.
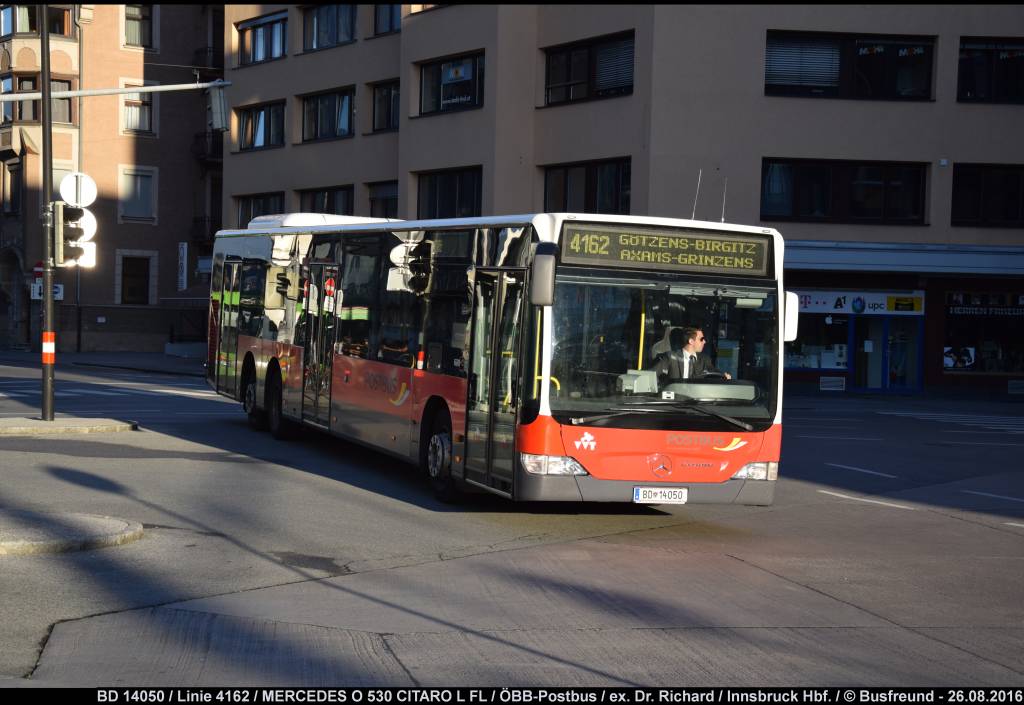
280	427
257	417
437	460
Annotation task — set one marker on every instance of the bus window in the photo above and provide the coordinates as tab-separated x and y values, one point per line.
399	326
360	306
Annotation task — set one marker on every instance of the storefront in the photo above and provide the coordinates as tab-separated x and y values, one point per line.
859	340
899	318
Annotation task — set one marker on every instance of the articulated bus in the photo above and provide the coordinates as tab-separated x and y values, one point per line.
516	355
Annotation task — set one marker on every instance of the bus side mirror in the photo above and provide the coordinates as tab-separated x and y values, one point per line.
792	312
542	276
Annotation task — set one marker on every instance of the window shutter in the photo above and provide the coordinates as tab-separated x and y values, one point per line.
792	61
614	65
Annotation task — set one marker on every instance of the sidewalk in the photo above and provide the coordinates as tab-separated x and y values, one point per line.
139	361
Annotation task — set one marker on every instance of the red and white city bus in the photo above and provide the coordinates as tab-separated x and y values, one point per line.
514	354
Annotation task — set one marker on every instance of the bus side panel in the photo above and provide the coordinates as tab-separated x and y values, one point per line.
371	402
454	392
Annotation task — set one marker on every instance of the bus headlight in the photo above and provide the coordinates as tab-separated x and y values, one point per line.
550	465
758	471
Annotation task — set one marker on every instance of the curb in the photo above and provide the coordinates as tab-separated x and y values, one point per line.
130	531
36	427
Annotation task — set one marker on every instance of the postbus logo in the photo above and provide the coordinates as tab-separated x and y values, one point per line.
587	442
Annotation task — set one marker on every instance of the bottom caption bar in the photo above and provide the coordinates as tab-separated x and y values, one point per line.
546	696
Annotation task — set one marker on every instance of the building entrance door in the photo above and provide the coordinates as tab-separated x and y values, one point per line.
868	347
886	353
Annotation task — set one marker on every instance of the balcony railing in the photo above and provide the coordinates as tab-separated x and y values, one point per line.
209	58
204	228
208	146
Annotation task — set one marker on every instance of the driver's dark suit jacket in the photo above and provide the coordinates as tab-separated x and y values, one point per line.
670	366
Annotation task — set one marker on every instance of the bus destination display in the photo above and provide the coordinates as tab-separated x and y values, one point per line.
675	250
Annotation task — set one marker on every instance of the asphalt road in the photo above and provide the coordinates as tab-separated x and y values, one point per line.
894	555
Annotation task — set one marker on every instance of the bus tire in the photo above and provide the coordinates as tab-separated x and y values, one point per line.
257	417
280	428
437	460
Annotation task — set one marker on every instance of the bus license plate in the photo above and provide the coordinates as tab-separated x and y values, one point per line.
659	495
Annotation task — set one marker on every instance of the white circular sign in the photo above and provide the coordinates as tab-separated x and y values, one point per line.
78	189
88	225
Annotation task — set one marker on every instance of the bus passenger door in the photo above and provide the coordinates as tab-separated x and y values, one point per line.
494	373
227	352
321	320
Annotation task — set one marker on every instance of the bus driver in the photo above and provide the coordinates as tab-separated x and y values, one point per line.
685	360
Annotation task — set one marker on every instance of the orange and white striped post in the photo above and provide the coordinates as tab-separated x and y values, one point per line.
49	348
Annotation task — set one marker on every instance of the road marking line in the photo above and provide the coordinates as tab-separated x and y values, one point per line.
967	443
1010	523
871	501
997	496
869	472
842	438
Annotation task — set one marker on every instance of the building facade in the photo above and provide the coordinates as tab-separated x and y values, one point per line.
882	141
157	170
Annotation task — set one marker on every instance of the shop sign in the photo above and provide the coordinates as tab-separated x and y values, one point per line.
900	303
973	303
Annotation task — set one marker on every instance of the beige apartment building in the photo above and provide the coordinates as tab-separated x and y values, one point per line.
156	166
882	141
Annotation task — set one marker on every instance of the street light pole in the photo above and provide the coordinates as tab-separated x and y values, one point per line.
49	335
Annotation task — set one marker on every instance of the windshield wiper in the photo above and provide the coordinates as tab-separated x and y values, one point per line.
689	403
576	421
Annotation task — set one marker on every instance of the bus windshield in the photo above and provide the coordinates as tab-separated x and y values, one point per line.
612	338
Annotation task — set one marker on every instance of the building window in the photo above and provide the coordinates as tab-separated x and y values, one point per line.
594	187
12	188
261	127
25	110
61	107
137	202
991	71
138	26
258	204
262	39
983	332
138	112
22	19
333	200
385	106
452	84
450	194
988	195
598	68
842	191
135	280
327	115
879	67
326	26
387	19
384	200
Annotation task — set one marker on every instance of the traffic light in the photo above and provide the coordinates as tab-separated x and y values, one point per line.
216	110
72	232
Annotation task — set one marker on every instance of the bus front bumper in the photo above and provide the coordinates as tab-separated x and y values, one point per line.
586	488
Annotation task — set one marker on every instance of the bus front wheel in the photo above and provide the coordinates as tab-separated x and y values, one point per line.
438	460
